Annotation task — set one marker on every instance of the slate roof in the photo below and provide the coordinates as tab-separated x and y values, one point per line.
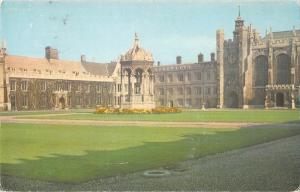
55	65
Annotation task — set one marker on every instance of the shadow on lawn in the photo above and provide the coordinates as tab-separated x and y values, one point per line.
75	169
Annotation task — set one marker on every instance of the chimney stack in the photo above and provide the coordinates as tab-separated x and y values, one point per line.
82	58
51	53
212	56
200	58
178	60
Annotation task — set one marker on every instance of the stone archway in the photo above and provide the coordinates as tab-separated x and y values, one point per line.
62	102
279	99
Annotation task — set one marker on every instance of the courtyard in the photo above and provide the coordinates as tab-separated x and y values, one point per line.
70	150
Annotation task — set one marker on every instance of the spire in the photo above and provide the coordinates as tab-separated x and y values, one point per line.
239	11
136	40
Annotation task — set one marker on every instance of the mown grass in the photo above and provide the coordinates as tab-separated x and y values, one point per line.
274	116
67	153
43	112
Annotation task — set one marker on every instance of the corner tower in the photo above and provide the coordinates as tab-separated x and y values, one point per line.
3	88
137	78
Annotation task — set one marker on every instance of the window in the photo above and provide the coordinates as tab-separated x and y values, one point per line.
170	77
98	88
170	91
198	90
119	87
180	90
43	86
207	90
88	88
180	76
78	100
44	101
188	102
208	75
161	91
161	78
161	101
78	87
98	100
67	86
180	102
24	101
189	76
198	75
188	91
57	86
24	85
12	85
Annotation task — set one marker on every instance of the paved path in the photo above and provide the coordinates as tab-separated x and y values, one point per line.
273	166
16	119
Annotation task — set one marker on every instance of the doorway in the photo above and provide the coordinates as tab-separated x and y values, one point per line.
62	103
279	100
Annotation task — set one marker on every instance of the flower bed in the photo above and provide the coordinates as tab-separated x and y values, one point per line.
105	110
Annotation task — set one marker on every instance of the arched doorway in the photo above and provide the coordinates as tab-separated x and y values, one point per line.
233	100
279	100
62	102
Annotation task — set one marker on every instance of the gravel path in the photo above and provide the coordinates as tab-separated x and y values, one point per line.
273	166
14	119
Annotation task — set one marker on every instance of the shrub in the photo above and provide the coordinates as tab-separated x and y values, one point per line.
158	110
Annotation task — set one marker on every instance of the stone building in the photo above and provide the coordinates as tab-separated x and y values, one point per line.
189	85
49	83
258	71
249	71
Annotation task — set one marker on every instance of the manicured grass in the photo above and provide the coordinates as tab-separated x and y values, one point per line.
65	153
205	116
39	112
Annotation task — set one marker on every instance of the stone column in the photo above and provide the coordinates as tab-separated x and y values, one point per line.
293	100
270	67
267	100
220	61
66	101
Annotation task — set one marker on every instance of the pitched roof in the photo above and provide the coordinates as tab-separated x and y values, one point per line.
101	69
59	66
30	63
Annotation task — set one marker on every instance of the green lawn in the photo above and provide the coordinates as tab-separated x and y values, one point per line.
67	153
275	116
44	112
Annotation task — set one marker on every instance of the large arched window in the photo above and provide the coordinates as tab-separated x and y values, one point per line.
261	71
283	69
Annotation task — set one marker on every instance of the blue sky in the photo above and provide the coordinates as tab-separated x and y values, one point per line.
102	30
